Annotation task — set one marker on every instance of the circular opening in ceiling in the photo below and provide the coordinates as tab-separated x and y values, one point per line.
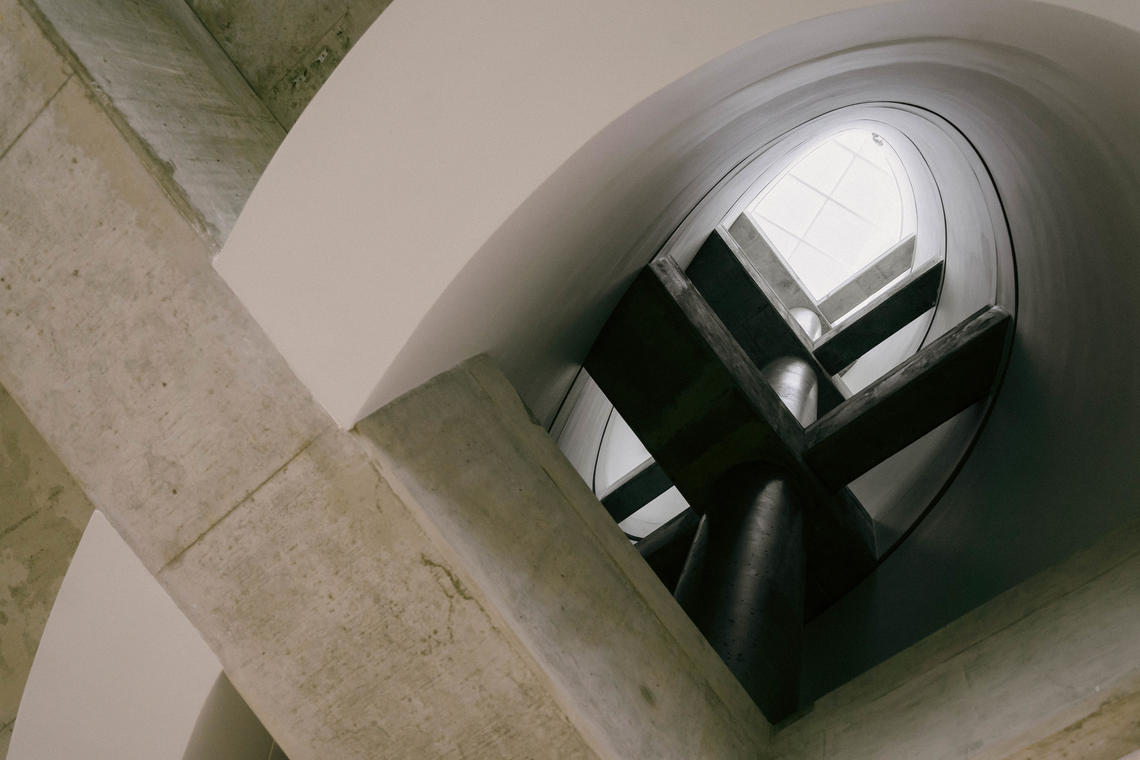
843	206
835	216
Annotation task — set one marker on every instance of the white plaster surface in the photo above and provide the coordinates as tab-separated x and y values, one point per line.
436	116
559	199
342	243
42	516
120	673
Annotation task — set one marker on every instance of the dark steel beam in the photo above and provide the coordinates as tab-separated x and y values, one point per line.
641	486
684	385
921	393
881	319
758	250
701	407
754	314
869	280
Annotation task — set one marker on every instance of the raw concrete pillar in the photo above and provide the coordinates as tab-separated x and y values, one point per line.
632	672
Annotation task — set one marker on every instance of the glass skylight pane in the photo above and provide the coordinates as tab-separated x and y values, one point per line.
823	167
791	204
841	235
655	514
619	453
819	272
782	242
872	194
836	209
853	139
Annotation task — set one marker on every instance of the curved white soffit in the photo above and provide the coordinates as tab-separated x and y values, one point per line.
441	122
119	672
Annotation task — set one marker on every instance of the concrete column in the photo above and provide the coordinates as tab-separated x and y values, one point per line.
631	671
743	582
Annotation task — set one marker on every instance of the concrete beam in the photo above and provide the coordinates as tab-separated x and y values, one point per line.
881	318
352	634
176	97
686	387
641	486
753	312
927	389
629	667
143	373
699	404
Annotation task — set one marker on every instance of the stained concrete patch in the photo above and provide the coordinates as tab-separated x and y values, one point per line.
42	515
265	38
350	634
201	129
139	367
289	95
30	71
634	670
287	62
1110	732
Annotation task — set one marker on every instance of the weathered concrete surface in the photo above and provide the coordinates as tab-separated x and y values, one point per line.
126	351
287	59
30	71
1052	665
200	129
42	510
42	515
351	635
631	668
1110	732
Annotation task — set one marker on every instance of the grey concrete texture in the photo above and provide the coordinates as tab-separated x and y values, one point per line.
351	635
1050	667
30	71
201	130
140	368
42	516
286	49
632	669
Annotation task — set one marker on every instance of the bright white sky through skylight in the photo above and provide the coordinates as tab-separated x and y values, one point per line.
836	210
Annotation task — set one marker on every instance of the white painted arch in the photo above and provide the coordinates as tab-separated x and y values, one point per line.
376	250
121	673
477	179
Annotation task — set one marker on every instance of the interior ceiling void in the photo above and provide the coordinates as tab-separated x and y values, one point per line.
453	222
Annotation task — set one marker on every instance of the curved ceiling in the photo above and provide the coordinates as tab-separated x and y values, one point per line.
496	187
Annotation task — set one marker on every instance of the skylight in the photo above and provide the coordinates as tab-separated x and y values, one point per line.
836	210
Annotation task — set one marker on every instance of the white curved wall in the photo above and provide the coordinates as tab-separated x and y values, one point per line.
120	672
441	122
472	180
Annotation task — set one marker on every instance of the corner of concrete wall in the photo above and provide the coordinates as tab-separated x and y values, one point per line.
628	666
